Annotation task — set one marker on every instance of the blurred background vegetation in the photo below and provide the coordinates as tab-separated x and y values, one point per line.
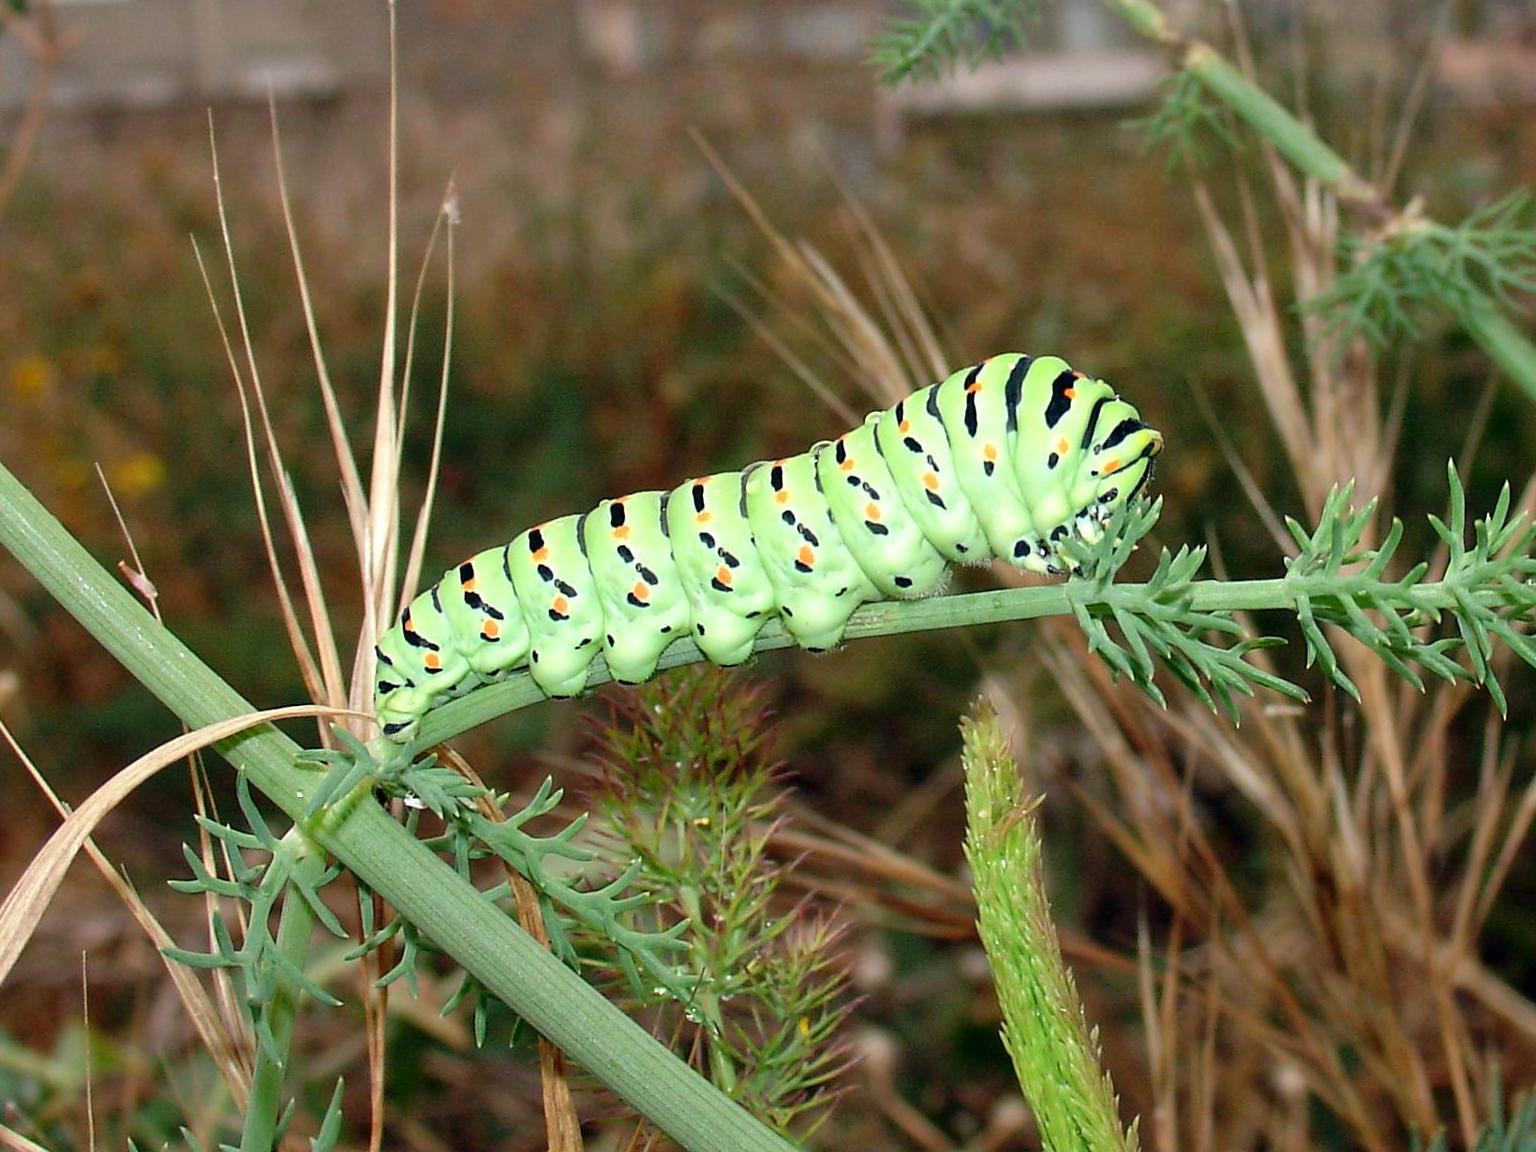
598	351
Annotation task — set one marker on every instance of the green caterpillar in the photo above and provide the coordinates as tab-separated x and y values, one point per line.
1008	459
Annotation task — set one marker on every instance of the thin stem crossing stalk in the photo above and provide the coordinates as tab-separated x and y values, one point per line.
891	617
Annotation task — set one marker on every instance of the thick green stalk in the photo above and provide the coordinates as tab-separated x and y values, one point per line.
542	990
1272	120
1504	343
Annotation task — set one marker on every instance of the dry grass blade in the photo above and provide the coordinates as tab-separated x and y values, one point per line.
880	367
332	689
840	408
1514	836
297	640
381	543
1413	103
859	343
907	319
29	899
1487	813
413	563
346	461
561	1120
1257	500
227	1049
1259	319
16	1142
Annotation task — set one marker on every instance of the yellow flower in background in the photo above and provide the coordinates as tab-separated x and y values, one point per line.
136	475
32	375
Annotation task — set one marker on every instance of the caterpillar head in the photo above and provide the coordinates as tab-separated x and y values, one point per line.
1112	466
1118	463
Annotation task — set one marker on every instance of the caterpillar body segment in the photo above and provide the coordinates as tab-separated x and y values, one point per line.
1010	458
977	415
729	594
478	601
418	660
638	584
558	596
915	444
867	506
816	581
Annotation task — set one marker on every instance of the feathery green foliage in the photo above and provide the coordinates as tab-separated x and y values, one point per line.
1184	120
941	33
266	872
1513	1133
1486	588
1054	1052
1415	265
1160	623
468	835
689	802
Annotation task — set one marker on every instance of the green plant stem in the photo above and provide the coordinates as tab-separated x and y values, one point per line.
890	617
1483	321
1272	120
1147	19
1504	343
295	928
536	985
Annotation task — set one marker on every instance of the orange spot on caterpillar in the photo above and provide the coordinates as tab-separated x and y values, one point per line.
621	532
847	464
469	585
781	497
806	555
1111	466
989	452
432	660
872	511
1070	393
561	605
491	630
701	518
641	591
541	555
723	575
905	426
973	387
931	481
1062	447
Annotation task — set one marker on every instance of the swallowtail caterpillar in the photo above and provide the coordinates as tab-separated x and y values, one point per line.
1009	458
